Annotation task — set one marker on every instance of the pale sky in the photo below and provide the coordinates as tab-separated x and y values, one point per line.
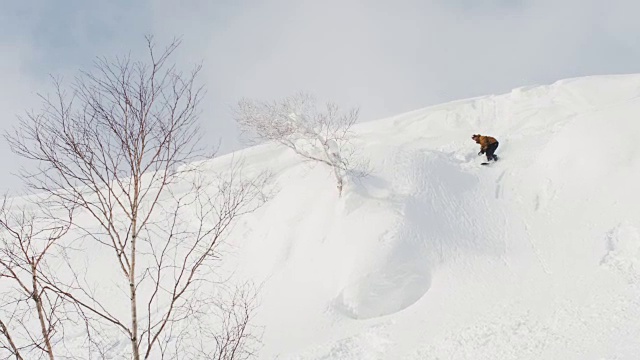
387	57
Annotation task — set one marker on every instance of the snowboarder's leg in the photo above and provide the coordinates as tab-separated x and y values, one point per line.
492	148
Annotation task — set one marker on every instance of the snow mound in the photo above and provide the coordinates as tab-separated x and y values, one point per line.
433	256
437	213
623	255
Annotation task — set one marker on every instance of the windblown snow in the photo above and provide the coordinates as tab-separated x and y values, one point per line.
433	256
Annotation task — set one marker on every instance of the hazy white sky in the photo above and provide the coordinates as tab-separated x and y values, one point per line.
386	57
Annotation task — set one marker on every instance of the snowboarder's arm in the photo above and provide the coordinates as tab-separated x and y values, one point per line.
483	147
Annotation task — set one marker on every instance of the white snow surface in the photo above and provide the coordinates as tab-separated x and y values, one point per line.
433	256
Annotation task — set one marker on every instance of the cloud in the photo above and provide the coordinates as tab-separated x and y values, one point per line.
16	96
389	57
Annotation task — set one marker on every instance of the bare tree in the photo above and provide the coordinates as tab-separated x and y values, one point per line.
25	245
117	148
322	136
233	308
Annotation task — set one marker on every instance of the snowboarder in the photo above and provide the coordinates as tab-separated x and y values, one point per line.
488	145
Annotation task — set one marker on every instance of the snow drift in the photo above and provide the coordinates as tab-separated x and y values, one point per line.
435	257
432	256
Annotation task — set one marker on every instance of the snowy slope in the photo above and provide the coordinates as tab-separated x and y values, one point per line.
436	257
433	256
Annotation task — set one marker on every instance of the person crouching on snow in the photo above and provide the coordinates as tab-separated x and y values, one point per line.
488	145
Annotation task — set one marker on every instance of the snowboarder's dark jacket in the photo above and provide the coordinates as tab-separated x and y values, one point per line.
484	141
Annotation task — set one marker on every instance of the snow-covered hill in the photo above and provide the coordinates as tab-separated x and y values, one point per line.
433	256
436	257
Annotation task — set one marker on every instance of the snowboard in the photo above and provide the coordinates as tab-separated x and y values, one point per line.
487	162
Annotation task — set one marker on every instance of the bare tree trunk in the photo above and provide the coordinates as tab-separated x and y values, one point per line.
132	291
26	239
12	344
39	307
